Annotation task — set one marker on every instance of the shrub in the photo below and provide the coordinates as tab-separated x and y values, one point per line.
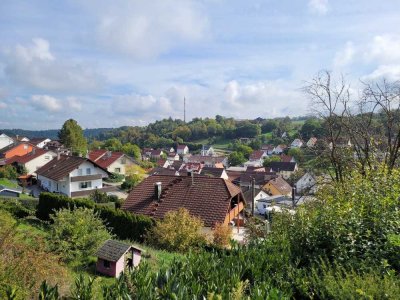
16	208
115	177
75	235
131	181
8	172
178	231
222	235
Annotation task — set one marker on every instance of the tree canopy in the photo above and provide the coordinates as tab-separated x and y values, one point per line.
71	135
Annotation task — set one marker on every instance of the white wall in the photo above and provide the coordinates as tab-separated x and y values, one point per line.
5	141
40	161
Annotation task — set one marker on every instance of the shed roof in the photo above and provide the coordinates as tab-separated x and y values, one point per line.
113	250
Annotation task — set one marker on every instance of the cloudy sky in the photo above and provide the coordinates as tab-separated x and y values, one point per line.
112	63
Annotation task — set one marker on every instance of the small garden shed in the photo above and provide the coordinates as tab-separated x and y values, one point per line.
115	257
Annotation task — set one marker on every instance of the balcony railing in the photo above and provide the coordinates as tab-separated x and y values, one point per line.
86	177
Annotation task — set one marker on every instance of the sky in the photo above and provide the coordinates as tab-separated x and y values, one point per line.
122	63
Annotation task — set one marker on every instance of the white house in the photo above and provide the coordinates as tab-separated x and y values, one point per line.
297	143
311	142
72	176
172	156
33	160
39	142
5	141
277	202
207	151
307	183
279	149
182	149
114	162
254	163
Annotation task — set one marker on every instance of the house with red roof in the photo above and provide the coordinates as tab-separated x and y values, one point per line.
16	149
182	149
113	162
212	199
32	160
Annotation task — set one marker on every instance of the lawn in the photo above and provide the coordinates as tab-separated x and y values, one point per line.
8	183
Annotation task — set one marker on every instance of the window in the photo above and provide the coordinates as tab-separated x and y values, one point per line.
47	157
25	147
106	264
117	170
123	161
79	172
88	171
85	184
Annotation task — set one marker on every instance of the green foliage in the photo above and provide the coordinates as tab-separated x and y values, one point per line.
83	289
248	130
48	292
71	135
115	177
297	153
178	231
268	126
16	208
131	150
236	158
76	234
8	172
131	181
101	197
310	128
123	224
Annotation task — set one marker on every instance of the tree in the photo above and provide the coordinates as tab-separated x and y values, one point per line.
248	130
76	235
297	153
268	126
131	181
71	135
178	231
222	235
244	149
131	150
183	132
236	158
311	127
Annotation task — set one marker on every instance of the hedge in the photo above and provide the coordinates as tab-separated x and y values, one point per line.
124	225
15	208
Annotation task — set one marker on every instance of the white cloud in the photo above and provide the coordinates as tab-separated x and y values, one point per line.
74	104
46	102
34	66
390	72
319	7
3	105
147	30
384	48
345	56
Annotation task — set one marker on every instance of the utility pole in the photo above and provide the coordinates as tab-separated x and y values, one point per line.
253	195
184	109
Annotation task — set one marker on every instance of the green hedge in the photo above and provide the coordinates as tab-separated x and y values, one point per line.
123	224
15	208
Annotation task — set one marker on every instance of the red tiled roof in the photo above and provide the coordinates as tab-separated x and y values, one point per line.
59	168
27	157
106	159
208	198
286	158
156	152
281	185
181	147
258	154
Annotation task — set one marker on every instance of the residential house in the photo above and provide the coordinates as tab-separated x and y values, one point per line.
306	183
341	143
194	167
285	169
207	150
248	196
72	176
279	149
297	143
208	161
276	203
17	149
214	200
214	172
287	158
163	171
5	141
260	179
258	155
277	186
269	149
164	163
18	139
115	257
171	156
57	147
156	154
39	142
182	150
113	162
312	142
33	160
254	163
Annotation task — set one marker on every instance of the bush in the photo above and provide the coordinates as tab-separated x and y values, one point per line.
16	208
8	172
222	235
178	231
131	181
115	177
123	224
76	234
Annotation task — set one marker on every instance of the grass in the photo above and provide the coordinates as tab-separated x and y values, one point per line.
8	183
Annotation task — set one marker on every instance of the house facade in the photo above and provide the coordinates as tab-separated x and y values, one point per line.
113	162
307	183
39	142
297	143
182	149
207	150
312	142
33	160
285	169
72	176
278	186
5	141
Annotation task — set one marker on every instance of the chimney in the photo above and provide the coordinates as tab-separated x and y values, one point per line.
58	155
157	190
191	174
33	151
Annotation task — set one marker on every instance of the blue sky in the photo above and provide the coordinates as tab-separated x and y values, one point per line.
114	63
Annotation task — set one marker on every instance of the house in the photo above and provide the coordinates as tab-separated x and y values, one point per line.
214	172
191	167
10	192
248	196
17	149
39	142
269	149
312	142
182	149
113	162
258	155
33	160
208	161
254	163
287	158
115	257
269	203
207	150
283	168
260	179
279	149
297	143
214	200
72	176
21	139
164	163
5	141
341	143
156	154
57	147
284	135
277	186
171	156
306	184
